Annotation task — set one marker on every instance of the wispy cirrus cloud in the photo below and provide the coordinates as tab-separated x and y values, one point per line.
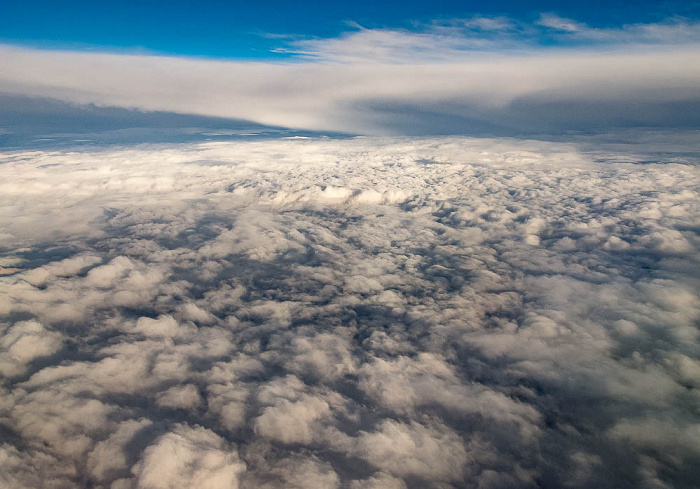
454	39
675	31
553	21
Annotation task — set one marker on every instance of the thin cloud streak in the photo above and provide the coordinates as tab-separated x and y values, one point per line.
455	40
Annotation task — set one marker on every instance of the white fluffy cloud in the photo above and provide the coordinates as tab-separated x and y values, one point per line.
23	342
188	457
363	313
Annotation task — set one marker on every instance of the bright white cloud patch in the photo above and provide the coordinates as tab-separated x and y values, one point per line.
361	313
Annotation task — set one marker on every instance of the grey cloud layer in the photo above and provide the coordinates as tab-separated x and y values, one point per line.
485	93
399	313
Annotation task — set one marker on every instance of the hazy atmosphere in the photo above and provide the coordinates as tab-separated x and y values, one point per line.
349	246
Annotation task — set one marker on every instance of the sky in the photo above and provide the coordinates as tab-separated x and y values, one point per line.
253	29
387	68
349	245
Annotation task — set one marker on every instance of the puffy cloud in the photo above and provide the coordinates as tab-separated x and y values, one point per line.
184	397
292	416
188	457
405	385
660	435
57	423
22	343
111	458
433	453
299	472
379	481
325	356
67	267
357	313
163	327
33	469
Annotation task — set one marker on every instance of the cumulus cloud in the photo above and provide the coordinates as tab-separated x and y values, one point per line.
23	342
433	453
188	457
358	312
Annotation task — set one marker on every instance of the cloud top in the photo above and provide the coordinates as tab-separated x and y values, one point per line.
363	313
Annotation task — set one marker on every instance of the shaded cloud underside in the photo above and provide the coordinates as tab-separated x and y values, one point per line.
360	313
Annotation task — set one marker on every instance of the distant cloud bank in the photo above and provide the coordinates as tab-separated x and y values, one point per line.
358	313
464	76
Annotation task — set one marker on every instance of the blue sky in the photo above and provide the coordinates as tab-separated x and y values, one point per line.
246	30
